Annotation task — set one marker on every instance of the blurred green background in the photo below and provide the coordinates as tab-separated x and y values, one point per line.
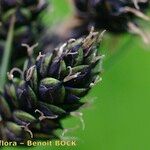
119	116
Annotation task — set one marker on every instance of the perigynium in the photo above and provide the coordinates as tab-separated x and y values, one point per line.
49	89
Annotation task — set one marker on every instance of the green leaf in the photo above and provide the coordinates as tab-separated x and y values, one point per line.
7	53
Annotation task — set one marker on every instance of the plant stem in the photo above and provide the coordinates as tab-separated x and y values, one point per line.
7	53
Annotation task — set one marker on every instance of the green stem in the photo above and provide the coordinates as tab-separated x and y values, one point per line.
7	53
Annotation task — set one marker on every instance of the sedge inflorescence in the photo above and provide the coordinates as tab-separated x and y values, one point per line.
112	15
24	16
49	89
